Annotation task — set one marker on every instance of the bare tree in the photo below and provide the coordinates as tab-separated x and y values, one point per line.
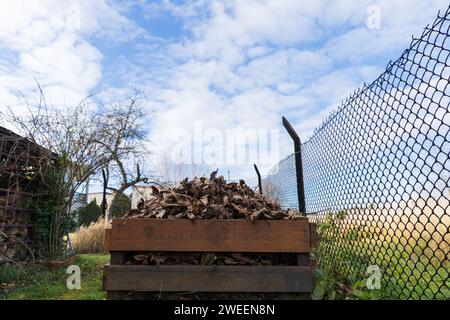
69	134
123	137
85	139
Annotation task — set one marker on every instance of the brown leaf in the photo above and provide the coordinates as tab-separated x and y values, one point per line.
204	200
161	214
191	215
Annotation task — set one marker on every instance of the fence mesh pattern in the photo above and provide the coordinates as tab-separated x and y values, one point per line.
282	183
377	175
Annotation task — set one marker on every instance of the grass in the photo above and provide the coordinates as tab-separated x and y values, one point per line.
89	239
405	275
39	283
413	266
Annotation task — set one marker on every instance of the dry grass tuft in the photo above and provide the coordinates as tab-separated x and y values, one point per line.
89	239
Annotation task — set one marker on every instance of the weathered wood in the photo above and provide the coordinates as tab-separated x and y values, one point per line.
104	276
196	296
107	240
114	295
210	235
176	278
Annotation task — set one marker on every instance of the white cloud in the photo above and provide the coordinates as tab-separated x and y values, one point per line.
48	41
287	70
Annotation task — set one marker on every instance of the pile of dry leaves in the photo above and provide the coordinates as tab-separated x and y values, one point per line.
210	258
213	198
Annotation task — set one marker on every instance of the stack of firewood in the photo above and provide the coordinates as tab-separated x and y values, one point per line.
13	237
14	234
213	198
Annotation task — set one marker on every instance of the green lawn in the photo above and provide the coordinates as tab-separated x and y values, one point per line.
38	283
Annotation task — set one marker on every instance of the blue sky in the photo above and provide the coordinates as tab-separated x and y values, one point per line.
227	64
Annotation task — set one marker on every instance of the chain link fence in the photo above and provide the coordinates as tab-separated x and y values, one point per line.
281	183
377	175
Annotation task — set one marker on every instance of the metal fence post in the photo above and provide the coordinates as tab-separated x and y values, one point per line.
259	178
298	164
105	186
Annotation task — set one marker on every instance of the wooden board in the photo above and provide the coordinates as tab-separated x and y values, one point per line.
107	240
210	235
177	278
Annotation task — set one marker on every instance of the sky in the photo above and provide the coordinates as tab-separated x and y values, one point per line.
221	65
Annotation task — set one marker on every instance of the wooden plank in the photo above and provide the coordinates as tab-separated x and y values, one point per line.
210	235
176	278
113	295
105	276
116	295
107	240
